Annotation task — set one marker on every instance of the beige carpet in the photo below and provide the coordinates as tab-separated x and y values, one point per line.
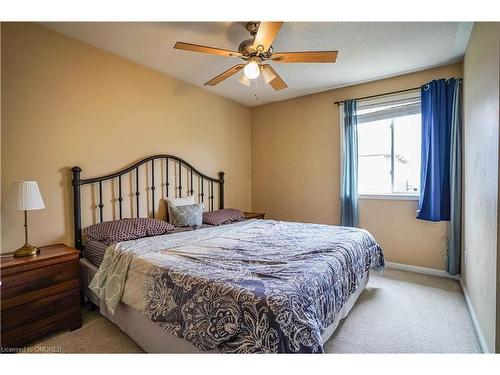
400	312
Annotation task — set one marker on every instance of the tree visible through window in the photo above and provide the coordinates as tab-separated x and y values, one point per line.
389	138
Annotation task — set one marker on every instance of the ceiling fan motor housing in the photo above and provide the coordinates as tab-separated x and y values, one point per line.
246	47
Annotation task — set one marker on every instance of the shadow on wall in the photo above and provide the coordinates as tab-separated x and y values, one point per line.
66	186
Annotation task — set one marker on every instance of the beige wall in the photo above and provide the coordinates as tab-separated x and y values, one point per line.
481	137
65	103
0	136
296	170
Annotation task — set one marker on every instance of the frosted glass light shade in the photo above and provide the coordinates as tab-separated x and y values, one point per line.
267	74
244	80
252	70
25	195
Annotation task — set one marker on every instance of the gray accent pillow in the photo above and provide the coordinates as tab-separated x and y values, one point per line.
186	216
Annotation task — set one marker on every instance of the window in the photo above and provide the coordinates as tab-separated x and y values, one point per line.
389	138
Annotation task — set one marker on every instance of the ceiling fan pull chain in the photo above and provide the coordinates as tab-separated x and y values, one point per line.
255	90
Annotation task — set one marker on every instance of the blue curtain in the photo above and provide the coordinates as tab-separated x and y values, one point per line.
349	177
440	176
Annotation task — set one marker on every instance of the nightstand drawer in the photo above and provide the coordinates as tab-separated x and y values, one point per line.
19	336
39	309
39	295
30	285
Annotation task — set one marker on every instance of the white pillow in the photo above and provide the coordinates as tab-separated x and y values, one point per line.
185	201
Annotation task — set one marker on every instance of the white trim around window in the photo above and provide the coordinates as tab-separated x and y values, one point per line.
394	196
371	102
386	108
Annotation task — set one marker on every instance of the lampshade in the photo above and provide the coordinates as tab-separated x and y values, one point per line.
245	80
25	195
267	74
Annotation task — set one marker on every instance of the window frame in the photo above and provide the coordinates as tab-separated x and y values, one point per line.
379	101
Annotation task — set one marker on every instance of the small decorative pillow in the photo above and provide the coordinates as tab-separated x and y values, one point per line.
111	232
224	216
184	201
186	216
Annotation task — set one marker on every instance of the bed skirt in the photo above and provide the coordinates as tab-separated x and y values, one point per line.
152	338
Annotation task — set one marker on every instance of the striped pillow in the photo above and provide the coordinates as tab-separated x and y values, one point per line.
224	216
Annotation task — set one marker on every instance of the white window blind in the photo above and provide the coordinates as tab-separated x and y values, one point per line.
390	108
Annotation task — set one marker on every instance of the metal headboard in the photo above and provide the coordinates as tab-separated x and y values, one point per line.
77	183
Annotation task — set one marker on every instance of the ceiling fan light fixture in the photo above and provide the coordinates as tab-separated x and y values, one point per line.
252	70
267	74
244	80
255	51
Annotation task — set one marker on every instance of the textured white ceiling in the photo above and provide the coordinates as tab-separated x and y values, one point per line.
367	51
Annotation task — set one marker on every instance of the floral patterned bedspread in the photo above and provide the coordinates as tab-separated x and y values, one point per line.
248	287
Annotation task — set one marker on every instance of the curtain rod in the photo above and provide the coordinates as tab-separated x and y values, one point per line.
375	96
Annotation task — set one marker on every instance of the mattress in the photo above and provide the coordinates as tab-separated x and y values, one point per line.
94	252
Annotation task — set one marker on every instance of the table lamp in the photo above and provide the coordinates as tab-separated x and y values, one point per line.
25	196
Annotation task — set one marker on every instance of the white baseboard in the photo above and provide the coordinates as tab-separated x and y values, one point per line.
475	322
424	270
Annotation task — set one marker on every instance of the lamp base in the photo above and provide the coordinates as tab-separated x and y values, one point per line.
26	250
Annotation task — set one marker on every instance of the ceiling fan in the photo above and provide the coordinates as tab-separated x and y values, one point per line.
255	51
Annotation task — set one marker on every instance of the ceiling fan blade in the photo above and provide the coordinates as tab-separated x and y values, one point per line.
305	57
206	49
277	83
228	73
265	35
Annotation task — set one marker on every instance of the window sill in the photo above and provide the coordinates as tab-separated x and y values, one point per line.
397	197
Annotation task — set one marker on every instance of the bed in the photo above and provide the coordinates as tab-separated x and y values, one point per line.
252	286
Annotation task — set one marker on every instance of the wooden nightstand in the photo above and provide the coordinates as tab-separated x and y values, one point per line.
254	215
39	295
